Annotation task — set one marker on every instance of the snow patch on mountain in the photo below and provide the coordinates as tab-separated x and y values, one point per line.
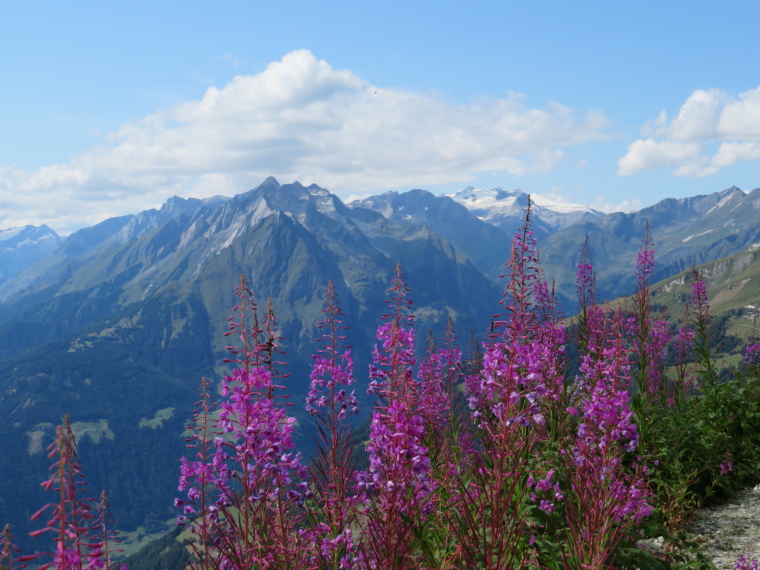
491	200
21	247
725	200
700	234
495	204
10	233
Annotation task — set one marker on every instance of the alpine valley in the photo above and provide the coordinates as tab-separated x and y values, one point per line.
116	324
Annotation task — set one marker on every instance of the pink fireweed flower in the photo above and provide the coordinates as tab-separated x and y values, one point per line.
250	470
398	483
397	461
645	259
522	271
516	379
700	310
585	283
645	263
653	346
326	377
81	537
8	550
433	398
752	355
394	359
699	301
333	511
726	466
745	563
605	499
684	343
391	374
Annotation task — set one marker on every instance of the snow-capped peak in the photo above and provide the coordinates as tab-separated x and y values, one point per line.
559	205
495	204
477	199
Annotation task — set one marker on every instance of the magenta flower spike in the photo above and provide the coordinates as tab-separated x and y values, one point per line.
8	550
585	278
752	356
71	521
604	500
590	315
333	368
435	383
397	482
244	324
522	272
245	486
332	470
391	375
700	311
650	334
747	563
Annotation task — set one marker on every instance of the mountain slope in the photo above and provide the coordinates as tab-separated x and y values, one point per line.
688	231
733	286
485	244
21	247
118	326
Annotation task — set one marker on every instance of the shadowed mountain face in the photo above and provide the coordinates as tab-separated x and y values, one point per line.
118	323
485	244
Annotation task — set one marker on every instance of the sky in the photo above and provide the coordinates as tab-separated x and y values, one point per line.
110	108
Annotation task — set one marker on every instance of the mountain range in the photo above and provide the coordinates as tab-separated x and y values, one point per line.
116	323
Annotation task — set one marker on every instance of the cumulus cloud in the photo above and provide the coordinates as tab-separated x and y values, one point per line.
706	117
299	119
651	154
624	206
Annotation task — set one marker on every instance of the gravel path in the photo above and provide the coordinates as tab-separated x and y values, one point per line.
729	530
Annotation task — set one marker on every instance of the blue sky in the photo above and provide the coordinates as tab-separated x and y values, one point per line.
108	108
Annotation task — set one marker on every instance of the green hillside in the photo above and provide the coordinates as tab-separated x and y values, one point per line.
733	288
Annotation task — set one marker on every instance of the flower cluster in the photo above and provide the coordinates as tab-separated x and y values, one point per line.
746	563
327	374
398	463
394	359
434	387
245	475
752	355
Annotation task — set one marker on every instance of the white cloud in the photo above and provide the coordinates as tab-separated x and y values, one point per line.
650	154
299	119
741	119
707	116
732	152
624	206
